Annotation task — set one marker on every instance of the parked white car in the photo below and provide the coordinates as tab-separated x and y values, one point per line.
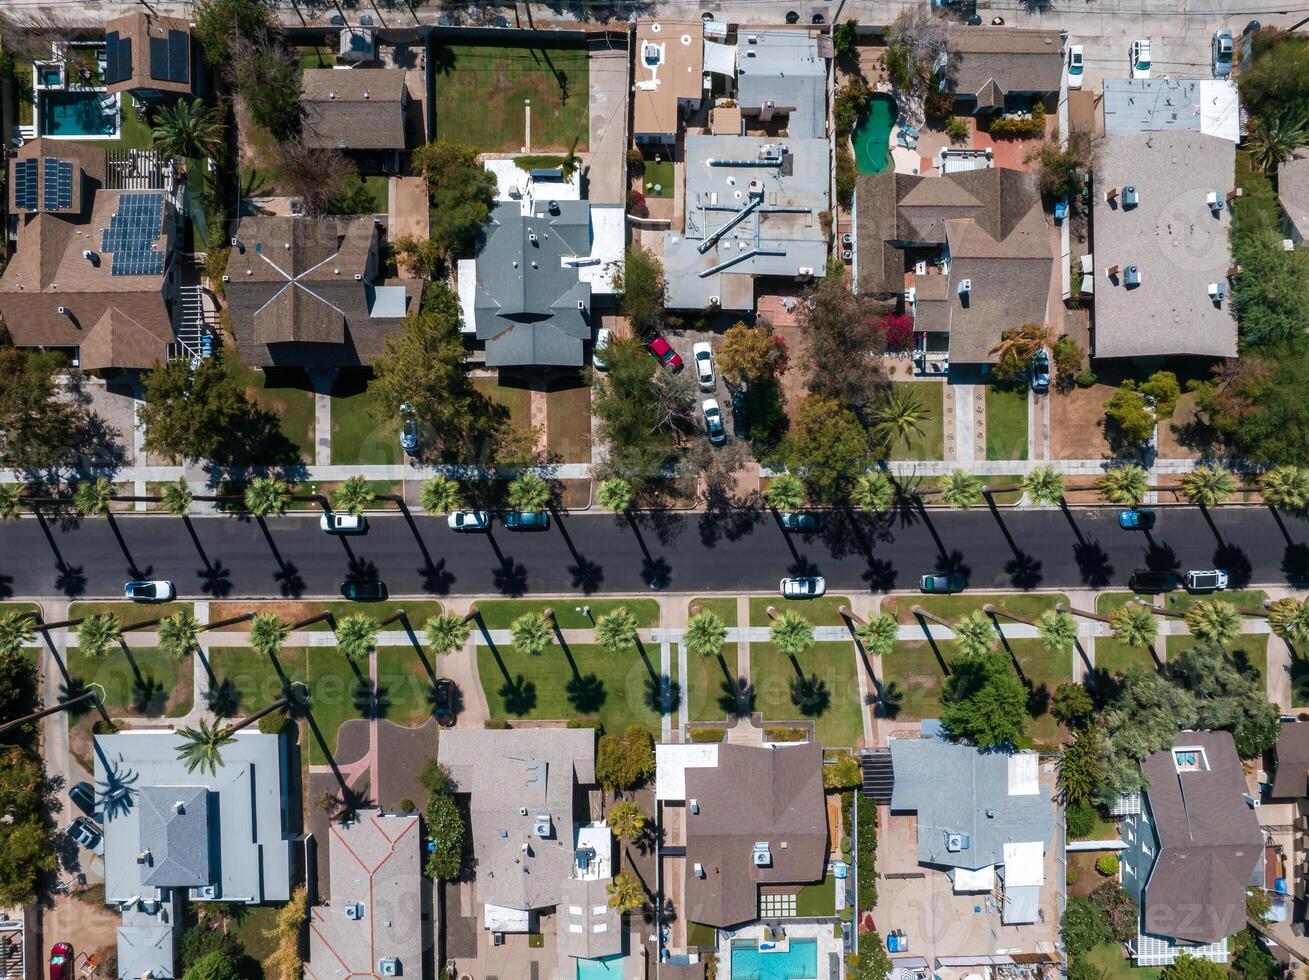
156	591
713	421
803	587
1222	53
703	355
343	522
1076	67
1141	58
469	520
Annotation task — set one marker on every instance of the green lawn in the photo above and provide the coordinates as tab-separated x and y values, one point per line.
1043	671
1105	828
912	680
568	424
357	436
141	681
285	393
127	612
324	488
516	400
955	607
710	685
1244	601
252	926
931	444
133	134
816	901
316	56
404	687
498	614
1006	422
724	607
820	611
1109	960
617	688
23	90
1114	657
480	92
367	194
832	702
661	174
244	681
18	607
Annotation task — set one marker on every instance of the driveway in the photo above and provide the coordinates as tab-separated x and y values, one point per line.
607	169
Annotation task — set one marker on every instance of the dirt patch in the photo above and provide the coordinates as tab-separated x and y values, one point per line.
1186	435
1082	876
288	612
1076	430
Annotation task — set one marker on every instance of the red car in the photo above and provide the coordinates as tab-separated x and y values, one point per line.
61	962
668	357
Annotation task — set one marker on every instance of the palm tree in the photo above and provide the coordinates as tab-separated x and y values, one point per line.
614	494
266	496
1133	625
529	493
353	496
446	633
268	633
705	634
626	819
532	634
1214	621
356	636
11	500
1289	618
16	631
97	634
960	489
1272	138
1058	630
792	633
625	893
1044	485
878	635
1286	487
898	418
202	746
1208	485
92	499
440	495
975	634
188	129
873	491
616	631
177	497
785	492
178	633
1126	484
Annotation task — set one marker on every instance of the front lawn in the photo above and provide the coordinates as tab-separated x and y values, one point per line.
517	401
416	610
711	687
286	395
568	424
1179	601
357	437
820	611
1114	657
139	681
1006	422
821	686
1109	960
931	444
127	612
570	614
724	607
1042	671
955	607
912	680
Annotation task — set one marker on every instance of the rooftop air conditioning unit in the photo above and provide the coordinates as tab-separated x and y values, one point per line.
1215	201
761	855
208	892
1217	291
806	270
1130	197
542	827
354	911
956	842
699	870
965	287
388	966
695	806
847	254
1132	275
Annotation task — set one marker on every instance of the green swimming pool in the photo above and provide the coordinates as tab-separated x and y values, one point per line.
872	134
75	113
798	962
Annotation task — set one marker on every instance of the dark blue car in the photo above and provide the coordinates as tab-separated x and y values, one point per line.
527	520
1136	520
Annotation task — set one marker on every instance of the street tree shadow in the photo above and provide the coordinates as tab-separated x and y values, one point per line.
224	698
810	695
1093	563
587	693
518	695
510	577
1236	562
1295	564
891	702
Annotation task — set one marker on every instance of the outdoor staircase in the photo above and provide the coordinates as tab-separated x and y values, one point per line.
879	776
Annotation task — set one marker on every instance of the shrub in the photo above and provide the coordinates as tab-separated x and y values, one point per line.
1013	127
939	103
636	204
1086	379
445	828
1082	927
851	99
635	161
625	760
844	774
1107	865
957	129
897	331
407	805
1080	819
845	174
706	734
866	886
497	723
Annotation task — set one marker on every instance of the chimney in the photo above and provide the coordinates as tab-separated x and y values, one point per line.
1111	195
1111	271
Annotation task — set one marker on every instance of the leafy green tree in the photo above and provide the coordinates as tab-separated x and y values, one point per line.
447	832
18	691
786	492
353	496
178	634
749	354
626	819
1143	717
37	426
826	444
626	759
1285	487
529	493
1273	138
202	746
268	633
627	407
446	633
1128	417
614	494
1134	625
440	495
1043	485
220	24
899	419
616	631
27	855
356	636
1057	630
532	634
1062	167
1187	967
213	966
1213	621
705	634
460	190
960	489
1071	705
845	38
625	893
642	284
975	634
1289	619
11	501
1080	820
188	129
97	634
1228	697
983	702
878	636
191	413
1162	392
792	633
1252	961
177	497
1125	484
1208	485
91	499
1256	405
843	343
267	496
873	491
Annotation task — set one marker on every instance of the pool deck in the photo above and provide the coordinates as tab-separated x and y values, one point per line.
821	931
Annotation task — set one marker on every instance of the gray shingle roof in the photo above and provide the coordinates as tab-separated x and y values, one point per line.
175	830
1293	191
1291	780
783	67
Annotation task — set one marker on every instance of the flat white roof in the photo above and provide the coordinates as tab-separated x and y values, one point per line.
968	880
1023	778
513	183
608	233
671	763
1024	864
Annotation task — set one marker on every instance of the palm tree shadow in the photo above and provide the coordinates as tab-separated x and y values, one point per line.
662	695
518	695
737	697
586	693
810	695
891	701
224	698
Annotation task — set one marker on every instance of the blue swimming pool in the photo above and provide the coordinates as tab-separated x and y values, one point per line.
800	962
872	135
75	113
605	968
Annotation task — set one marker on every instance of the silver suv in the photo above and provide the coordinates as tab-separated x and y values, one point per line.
1207	580
1222	53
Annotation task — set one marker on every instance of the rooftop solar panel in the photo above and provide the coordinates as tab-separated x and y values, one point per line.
111	58
159	59
58	184
131	235
25	185
179	56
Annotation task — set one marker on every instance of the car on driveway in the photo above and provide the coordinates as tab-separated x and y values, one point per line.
941	584
1147	582
1206	580
1222	53
159	590
713	421
469	520
343	522
803	587
703	356
602	338
668	357
1136	519
61	961
87	834
801	520
740	414
443	701
1140	58
527	520
83	795
1040	371
408	431
1076	66
364	591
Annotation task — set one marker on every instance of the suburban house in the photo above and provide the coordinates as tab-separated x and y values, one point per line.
991	69
92	272
1161	214
373	924
544	260
308	292
744	833
356	109
535	846
669	69
1208	106
172	836
1293	193
757	198
968	252
1284	817
148	55
1194	846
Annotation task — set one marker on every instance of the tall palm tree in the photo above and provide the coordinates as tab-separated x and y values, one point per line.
1214	621
922	613
1133	625
705	634
792	633
1126	484
532	634
878	635
178	633
1208	485
91	499
616	631
356	636
440	495
268	633
1289	618
97	634
16	631
626	819
614	494
1272	138
1285	487
528	493
202	746
785	492
975	634
873	491
1044	485
188	129
11	501
354	496
446	633
625	893
267	496
177	497
960	489
899	418
1058	630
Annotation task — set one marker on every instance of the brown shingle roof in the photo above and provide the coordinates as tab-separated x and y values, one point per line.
1291	780
991	62
1293	191
354	109
139	29
88	171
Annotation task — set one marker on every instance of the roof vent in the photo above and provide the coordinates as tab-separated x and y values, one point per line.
331	95
965	287
249	272
286	246
1130	197
957	842
238	244
542	828
88	255
365	96
179	807
388	966
531	236
761	855
354	911
336	272
1132	276
143	857
1215	201
990	814
358	277
581	305
227	278
714	301
62	310
522	811
553	206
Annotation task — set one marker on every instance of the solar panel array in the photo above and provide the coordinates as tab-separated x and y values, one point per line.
131	235
25	185
118	58
58	184
170	57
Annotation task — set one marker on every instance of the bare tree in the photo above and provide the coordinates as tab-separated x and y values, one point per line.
31	36
315	174
922	38
675	399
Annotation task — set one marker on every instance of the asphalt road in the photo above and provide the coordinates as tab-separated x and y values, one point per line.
290	556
